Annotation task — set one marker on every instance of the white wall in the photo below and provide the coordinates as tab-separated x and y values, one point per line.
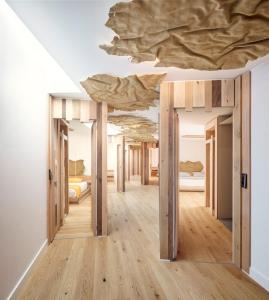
80	144
192	149
26	70
260	179
155	157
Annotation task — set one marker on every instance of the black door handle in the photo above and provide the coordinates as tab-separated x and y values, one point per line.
244	180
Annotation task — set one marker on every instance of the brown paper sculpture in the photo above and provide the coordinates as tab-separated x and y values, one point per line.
198	34
128	93
137	128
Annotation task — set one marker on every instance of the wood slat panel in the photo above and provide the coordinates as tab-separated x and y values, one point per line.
216	93
84	111
57	108
208	95
237	174
76	109
246	168
69	110
198	93
179	94
188	95
92	110
227	93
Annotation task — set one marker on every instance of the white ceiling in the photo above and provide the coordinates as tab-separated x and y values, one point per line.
71	31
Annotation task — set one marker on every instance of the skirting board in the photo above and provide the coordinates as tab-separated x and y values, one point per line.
27	270
259	278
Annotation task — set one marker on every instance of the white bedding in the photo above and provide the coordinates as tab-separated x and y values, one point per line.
192	183
83	186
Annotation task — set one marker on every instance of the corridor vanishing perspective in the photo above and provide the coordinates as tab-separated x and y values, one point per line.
126	265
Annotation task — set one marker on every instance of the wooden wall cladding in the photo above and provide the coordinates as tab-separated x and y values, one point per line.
208	94
69	109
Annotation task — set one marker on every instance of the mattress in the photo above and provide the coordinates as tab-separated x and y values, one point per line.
196	182
76	189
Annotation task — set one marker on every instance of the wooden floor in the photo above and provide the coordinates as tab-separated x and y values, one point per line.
202	237
126	265
77	223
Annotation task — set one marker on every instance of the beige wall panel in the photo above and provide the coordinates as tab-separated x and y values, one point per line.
84	111
208	95
198	93
227	92
179	94
188	95
57	108
69	110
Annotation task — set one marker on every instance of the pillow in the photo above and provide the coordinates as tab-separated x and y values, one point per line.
191	166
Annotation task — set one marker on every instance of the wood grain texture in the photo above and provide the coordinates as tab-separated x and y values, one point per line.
216	93
144	163
246	168
101	168
188	95
208	95
168	182
93	177
202	237
126	264
198	94
179	94
227	92
237	174
77	223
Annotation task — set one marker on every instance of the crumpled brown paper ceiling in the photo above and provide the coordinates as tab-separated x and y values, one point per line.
198	34
137	128
128	93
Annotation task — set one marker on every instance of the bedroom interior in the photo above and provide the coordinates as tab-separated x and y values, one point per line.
149	163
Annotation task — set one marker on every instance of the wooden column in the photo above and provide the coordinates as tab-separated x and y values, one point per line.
93	177
129	163
144	163
246	169
121	164
168	173
237	174
99	171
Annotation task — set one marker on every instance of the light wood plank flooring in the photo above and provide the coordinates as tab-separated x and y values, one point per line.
202	237
126	265
77	223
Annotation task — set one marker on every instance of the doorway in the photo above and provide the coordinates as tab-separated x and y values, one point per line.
205	185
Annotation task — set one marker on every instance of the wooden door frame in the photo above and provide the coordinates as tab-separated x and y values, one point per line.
217	93
85	111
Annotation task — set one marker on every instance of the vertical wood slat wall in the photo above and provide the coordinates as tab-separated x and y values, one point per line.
208	94
69	109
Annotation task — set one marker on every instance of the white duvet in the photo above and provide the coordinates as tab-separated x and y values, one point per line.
83	186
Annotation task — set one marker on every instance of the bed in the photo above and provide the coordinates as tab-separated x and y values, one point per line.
78	188
192	183
79	185
191	177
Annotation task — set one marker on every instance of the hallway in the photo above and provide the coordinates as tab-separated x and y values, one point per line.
126	265
203	238
77	223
